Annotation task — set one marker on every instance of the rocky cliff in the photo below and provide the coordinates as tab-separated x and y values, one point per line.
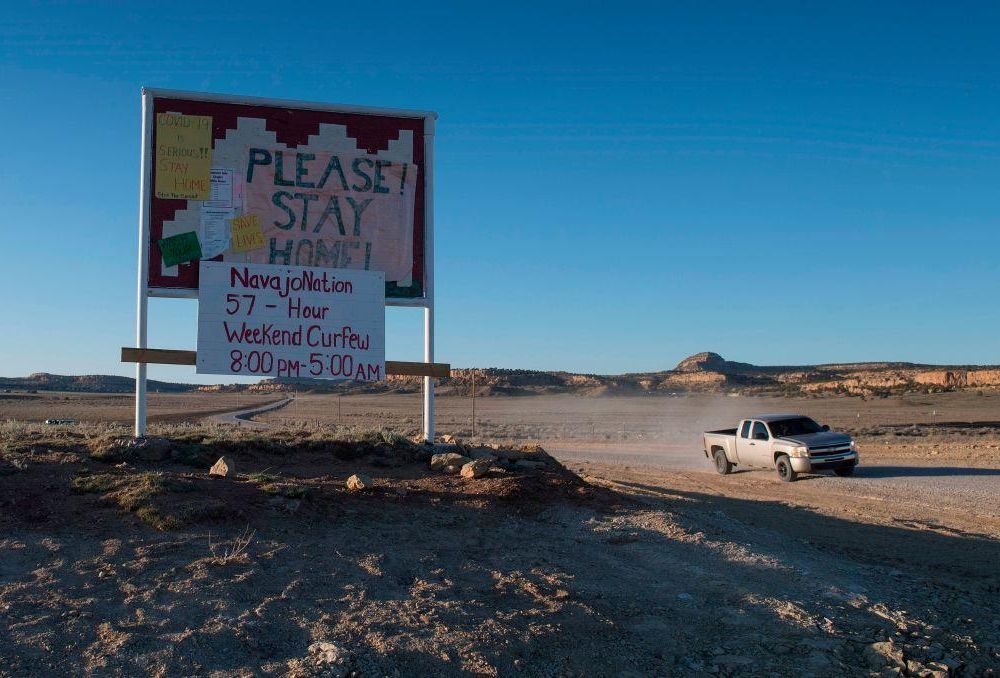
703	372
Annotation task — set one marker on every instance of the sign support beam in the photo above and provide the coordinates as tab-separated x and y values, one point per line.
164	356
142	291
428	389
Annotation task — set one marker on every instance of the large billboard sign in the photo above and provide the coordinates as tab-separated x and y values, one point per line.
294	224
291	321
286	184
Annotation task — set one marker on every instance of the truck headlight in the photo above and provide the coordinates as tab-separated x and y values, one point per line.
799	452
854	446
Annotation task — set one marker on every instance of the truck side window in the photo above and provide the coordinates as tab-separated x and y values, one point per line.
759	431
745	430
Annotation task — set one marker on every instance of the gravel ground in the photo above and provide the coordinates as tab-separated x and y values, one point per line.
626	572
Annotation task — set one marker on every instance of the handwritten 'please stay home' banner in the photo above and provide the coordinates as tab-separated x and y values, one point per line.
332	210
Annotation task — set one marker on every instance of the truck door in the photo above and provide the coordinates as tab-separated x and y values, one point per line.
744	450
753	444
760	445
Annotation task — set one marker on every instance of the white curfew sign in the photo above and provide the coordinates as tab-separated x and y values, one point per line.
291	321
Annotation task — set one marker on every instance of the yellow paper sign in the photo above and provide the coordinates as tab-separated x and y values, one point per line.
246	233
183	156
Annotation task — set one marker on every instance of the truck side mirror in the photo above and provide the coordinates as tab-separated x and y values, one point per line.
824	427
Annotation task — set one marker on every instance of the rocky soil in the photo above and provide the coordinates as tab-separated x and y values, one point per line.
915	588
120	559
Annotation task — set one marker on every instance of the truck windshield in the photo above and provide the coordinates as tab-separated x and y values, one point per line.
794	427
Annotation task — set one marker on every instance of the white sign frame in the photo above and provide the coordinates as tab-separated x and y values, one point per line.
143	292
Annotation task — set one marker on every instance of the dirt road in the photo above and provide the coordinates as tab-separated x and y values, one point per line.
244	417
969	488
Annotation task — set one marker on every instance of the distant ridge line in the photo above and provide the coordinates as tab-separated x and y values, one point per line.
705	372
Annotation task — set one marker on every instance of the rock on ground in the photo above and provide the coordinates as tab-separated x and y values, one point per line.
884	653
224	468
477	468
441	462
330	658
482	453
360	481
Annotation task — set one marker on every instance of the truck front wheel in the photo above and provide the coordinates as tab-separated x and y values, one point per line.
722	464
783	465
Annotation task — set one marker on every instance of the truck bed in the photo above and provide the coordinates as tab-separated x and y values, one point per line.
724	431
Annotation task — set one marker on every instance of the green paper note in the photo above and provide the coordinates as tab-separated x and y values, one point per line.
180	248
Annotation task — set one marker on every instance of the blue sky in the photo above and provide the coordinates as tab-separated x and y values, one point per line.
618	185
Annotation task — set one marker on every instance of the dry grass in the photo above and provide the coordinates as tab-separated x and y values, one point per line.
233	550
262	477
198	446
155	479
133	493
118	407
287	490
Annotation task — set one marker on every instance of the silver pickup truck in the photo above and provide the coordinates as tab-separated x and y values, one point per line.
789	443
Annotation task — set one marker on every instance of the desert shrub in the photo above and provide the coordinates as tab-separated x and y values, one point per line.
200	446
232	551
13	435
158	521
262	477
99	437
108	451
193	454
287	490
393	438
104	482
133	494
11	430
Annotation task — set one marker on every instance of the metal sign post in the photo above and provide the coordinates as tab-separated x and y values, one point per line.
142	294
428	390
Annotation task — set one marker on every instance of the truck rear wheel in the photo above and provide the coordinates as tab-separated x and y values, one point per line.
783	465
722	464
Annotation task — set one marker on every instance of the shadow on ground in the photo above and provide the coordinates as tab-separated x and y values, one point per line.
923	471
